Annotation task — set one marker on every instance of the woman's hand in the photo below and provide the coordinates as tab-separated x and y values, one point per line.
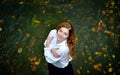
54	52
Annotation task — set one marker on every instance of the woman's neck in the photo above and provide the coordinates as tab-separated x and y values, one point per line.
58	42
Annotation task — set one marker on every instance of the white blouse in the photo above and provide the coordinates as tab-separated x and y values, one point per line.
63	50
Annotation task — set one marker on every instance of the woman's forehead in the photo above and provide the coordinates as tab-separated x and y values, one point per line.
64	29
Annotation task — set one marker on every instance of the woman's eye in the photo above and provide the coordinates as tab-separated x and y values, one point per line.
60	30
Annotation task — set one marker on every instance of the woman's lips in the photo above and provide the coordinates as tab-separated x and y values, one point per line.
59	37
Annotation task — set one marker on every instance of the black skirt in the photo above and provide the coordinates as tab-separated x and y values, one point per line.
60	71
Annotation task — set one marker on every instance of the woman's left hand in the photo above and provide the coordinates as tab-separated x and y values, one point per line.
54	52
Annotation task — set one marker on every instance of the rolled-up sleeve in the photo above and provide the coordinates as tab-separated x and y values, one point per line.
49	56
46	49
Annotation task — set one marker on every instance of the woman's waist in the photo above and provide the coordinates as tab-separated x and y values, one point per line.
61	64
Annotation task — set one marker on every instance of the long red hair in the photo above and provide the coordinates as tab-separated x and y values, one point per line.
71	37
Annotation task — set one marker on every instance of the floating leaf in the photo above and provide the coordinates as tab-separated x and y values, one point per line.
107	32
113	3
1	21
83	53
113	56
81	67
76	39
109	64
98	53
37	63
20	50
105	55
33	68
19	30
27	35
13	17
21	2
16	42
103	48
93	29
88	71
110	69
78	72
90	59
111	11
103	12
46	2
103	25
37	21
0	28
97	67
43	11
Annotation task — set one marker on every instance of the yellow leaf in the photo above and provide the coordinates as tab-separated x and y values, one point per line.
78	71
1	21
0	28
27	35
81	67
13	17
19	50
105	55
109	64
83	53
43	11
103	12
112	3
85	61
21	2
97	67
98	53
19	30
59	11
86	46
46	2
113	56
37	21
104	72
90	58
104	49
93	29
88	71
110	70
37	63
76	39
111	11
16	42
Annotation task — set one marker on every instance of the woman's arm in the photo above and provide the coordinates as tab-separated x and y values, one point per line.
53	55
54	52
48	40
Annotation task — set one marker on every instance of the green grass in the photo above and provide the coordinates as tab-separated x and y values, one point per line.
24	26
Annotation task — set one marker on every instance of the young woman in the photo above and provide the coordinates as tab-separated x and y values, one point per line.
59	49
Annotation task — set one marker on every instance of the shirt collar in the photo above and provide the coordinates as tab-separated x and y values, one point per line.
62	43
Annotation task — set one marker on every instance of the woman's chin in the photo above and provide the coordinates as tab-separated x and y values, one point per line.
59	39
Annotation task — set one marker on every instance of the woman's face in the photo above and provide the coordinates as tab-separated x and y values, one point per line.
62	34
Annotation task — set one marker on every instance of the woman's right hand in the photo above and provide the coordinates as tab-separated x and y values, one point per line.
54	52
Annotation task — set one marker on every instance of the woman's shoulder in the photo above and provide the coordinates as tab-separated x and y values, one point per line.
53	30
